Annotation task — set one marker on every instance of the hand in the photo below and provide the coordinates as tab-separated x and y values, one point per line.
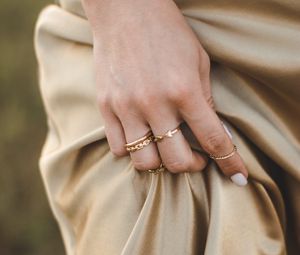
153	74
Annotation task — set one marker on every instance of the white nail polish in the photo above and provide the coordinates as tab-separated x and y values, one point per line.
239	179
227	130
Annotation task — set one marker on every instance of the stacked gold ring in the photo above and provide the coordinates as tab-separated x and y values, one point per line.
146	140
140	143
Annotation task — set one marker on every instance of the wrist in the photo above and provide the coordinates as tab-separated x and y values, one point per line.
116	9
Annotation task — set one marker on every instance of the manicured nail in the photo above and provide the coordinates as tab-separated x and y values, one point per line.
227	130
239	179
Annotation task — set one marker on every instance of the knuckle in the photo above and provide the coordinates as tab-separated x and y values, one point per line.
180	93
214	143
103	101
118	151
177	166
145	165
144	101
141	165
145	98
121	104
200	165
210	102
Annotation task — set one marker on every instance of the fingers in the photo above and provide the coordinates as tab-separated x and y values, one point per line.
175	151
213	137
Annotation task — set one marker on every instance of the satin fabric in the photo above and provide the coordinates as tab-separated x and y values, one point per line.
104	206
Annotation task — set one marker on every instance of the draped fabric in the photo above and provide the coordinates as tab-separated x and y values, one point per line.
103	205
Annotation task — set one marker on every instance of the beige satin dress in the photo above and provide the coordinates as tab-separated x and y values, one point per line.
105	207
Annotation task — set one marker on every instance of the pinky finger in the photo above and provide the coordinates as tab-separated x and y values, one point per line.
114	134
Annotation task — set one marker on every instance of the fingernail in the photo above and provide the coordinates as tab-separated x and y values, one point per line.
227	130
239	179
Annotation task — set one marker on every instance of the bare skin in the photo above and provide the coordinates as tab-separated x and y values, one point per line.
153	73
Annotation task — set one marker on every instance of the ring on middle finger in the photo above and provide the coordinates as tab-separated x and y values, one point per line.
169	133
158	170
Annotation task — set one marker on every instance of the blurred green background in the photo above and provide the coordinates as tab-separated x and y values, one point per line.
26	222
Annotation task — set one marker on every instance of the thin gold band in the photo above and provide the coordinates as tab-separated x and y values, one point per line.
224	156
169	133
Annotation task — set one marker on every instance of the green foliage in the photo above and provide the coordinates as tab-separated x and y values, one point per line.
27	225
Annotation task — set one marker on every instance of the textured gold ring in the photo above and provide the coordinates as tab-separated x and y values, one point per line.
169	133
158	170
140	143
230	154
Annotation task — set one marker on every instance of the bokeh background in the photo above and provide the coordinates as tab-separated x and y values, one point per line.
26	222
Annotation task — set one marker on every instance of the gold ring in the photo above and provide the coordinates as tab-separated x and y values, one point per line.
169	133
140	139
158	170
140	143
224	156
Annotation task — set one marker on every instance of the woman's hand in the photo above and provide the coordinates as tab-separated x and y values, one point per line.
152	73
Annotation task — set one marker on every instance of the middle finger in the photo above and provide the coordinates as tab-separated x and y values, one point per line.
175	151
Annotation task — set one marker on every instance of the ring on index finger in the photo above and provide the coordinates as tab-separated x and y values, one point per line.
230	154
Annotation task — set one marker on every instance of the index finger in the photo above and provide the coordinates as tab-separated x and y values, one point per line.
209	131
